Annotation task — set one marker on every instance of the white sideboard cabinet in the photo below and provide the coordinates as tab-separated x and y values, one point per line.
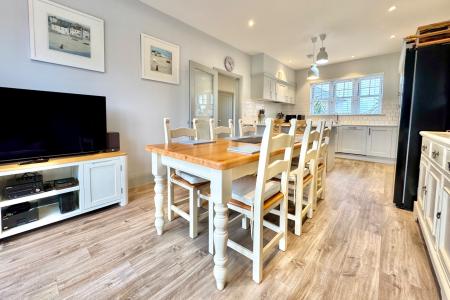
432	208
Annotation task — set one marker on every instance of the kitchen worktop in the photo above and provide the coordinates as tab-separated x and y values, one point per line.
338	125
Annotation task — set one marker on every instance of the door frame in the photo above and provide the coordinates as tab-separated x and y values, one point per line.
195	65
237	95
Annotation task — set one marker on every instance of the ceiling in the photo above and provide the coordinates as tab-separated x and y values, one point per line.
283	29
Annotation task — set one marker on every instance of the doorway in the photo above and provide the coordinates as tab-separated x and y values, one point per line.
214	93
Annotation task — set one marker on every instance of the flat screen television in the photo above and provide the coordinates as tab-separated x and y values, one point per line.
39	124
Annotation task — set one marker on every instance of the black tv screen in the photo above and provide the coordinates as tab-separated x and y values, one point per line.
38	124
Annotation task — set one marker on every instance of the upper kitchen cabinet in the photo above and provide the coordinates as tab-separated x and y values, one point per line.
272	81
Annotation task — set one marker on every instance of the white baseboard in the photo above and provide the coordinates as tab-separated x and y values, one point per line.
376	159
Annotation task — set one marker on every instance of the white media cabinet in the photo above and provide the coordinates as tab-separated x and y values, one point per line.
102	181
432	208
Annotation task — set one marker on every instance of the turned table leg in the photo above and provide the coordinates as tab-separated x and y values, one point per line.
158	173
220	194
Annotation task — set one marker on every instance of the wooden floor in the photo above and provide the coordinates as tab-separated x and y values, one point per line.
357	246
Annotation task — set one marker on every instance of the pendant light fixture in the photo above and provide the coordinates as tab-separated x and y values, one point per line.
313	71
322	56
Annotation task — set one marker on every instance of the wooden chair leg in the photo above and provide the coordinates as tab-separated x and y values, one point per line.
193	213
298	209
257	248
311	195
245	222
282	245
211	226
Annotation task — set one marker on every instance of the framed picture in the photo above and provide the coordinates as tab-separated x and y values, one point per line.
64	36
160	60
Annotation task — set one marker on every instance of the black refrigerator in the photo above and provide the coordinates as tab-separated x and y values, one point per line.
425	106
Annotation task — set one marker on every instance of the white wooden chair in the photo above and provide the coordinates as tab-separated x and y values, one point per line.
302	177
322	162
215	132
247	129
256	196
193	184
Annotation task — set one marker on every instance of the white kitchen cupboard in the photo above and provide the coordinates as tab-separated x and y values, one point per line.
374	141
432	208
379	141
352	139
102	182
266	88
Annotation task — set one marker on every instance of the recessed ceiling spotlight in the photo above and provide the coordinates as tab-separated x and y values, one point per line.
392	8
251	23
353	56
392	36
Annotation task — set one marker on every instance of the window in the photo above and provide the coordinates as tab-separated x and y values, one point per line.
320	98
355	96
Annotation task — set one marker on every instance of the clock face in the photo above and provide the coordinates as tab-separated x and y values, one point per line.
229	63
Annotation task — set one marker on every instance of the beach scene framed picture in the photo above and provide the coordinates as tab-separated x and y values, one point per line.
160	60
64	36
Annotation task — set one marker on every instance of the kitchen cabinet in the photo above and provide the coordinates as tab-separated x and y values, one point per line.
267	88
432	208
376	141
352	139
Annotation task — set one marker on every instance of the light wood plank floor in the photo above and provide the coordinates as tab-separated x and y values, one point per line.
357	246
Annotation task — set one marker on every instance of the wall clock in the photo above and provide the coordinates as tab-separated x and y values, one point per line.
229	63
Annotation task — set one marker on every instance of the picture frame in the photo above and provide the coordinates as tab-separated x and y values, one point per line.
160	60
64	36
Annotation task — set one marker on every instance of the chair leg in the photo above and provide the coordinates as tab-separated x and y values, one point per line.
311	195
244	222
324	179
193	213
257	248
170	196
282	245
211	226
298	209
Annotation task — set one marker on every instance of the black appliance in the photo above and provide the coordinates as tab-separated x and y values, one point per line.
19	214
425	106
39	124
288	118
24	185
65	183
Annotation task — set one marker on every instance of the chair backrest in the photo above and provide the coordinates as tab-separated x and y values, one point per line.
245	129
308	151
170	134
215	131
325	140
268	169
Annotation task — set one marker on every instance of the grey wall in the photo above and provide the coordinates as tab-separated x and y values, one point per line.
135	107
386	64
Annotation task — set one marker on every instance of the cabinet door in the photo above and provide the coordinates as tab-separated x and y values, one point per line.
281	91
352	139
422	187
431	200
444	231
268	92
379	142
102	182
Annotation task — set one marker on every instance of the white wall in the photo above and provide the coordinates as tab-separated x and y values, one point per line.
386	64
135	107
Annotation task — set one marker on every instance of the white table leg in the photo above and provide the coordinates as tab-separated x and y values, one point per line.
158	172
220	195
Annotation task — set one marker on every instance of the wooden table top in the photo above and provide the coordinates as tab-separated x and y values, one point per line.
213	155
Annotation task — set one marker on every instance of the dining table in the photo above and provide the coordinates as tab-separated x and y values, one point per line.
214	162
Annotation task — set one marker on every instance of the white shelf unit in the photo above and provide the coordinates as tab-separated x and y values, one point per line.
102	182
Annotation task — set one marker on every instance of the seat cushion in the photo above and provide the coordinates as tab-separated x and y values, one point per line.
243	189
192	179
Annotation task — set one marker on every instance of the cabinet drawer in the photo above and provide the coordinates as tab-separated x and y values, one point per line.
437	153
426	145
